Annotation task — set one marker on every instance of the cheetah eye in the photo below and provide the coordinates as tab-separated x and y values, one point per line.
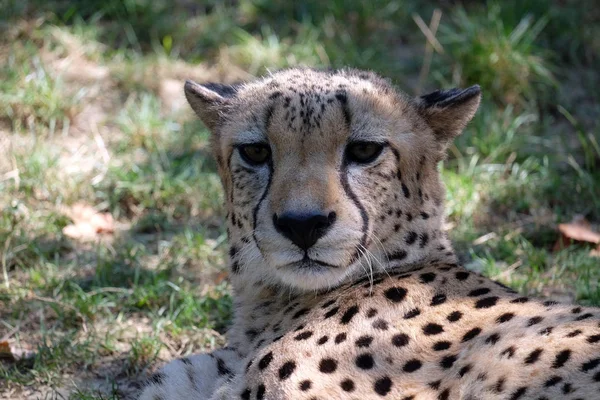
363	152
255	154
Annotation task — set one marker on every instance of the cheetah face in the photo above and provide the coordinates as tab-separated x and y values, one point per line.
328	174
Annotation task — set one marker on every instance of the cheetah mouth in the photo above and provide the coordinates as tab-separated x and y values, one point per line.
311	263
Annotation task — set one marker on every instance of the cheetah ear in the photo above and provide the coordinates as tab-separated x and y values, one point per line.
448	111
209	100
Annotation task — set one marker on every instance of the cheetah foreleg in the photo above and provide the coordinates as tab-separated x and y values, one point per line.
196	377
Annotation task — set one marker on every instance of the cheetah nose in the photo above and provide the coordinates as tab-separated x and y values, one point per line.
303	229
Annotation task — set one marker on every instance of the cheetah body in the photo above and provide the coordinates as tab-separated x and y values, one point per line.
376	306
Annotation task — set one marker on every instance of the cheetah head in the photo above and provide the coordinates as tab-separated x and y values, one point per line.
329	175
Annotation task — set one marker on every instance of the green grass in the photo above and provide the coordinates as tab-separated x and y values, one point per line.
86	116
501	57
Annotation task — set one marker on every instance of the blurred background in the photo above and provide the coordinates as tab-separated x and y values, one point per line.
112	242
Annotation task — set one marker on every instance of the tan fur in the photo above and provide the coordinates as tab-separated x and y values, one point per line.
393	315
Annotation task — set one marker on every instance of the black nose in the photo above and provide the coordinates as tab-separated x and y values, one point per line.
303	229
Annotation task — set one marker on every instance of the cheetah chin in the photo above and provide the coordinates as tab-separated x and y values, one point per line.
344	281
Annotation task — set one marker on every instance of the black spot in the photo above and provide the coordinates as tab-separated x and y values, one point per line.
323	340
380	324
435	385
328	303
348	315
405	191
590	365
427	277
260	392
286	370
340	337
424	215
412	365
328	365
412	313
454	316
395	294
561	358
341	96
517	394
347	385
411	237
584	316
305	385
300	313
276	339
398	255
371	313
553	381
400	340
432	329
365	361
235	267
534	320
500	385
520	300
505	317
478	292
576	310
567	388
464	370
546	331
471	334
486	302
593	339
493	338
443	345
576	332
246	394
251	334
424	240
444	395
533	356
222	367
462	275
157	378
549	303
383	386
303	336
331	312
448	361
438	299
364	341
509	352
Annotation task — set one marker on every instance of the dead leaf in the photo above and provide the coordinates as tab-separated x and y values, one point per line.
578	230
220	277
88	224
579	233
11	353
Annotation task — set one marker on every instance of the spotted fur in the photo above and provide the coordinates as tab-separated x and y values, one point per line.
377	307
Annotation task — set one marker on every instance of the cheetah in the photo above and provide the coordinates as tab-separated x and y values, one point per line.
345	283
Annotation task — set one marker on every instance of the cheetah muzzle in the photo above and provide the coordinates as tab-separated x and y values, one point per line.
345	283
